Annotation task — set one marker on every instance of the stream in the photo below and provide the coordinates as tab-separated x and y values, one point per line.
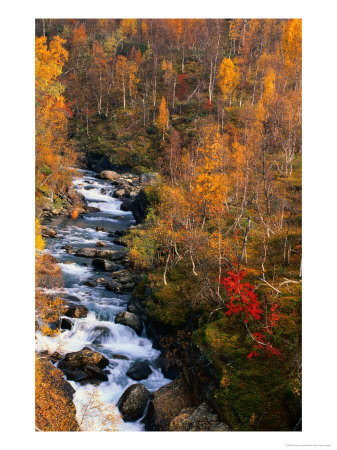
103	305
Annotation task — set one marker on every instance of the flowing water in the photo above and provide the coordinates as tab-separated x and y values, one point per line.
103	305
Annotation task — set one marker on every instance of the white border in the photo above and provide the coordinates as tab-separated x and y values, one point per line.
320	218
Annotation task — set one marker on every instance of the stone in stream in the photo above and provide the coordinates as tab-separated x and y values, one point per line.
116	356
112	255
133	402
101	244
108	175
103	264
115	286
139	370
100	334
86	252
130	320
93	209
48	232
101	229
76	311
66	324
85	356
90	283
95	372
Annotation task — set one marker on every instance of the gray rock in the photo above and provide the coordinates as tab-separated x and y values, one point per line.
66	324
86	252
133	402
139	370
103	264
130	320
119	193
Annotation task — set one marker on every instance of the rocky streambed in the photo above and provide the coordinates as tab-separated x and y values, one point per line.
103	344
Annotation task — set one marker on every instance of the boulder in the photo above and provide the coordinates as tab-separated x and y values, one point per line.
48	232
85	356
130	320
135	306
90	283
76	311
116	356
126	205
200	418
95	372
101	244
139	206
101	229
133	402
86	252
119	193
112	255
103	264
54	357
108	175
139	370
75	374
115	286
66	324
166	403
93	209
100	334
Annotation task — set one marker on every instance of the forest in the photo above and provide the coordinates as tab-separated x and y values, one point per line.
207	114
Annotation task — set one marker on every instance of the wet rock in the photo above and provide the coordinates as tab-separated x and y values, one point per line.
54	357
85	356
66	324
103	191
93	209
126	205
103	264
75	374
135	306
112	255
116	356
86	252
101	244
101	229
133	402
197	419
139	370
48	232
90	283
115	286
119	193
95	372
108	175
130	320
76	311
100	334
166	403
67	247
132	196
120	233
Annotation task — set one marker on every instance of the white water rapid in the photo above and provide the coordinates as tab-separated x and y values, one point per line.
103	305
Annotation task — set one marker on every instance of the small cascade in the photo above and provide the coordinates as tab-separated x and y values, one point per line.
98	330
